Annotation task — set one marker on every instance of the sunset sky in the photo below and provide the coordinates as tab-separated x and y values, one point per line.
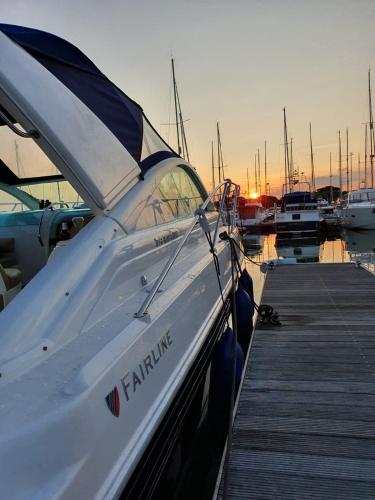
238	62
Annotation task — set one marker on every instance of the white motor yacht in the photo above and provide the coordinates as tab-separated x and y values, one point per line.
112	301
299	213
359	211
251	213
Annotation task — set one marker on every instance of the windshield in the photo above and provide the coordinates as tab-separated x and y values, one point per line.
24	160
361	196
23	157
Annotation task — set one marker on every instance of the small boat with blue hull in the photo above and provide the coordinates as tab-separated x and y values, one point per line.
299	213
113	305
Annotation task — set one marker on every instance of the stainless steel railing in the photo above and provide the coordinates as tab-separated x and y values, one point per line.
225	187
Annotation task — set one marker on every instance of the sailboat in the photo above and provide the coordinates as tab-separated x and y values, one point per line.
299	209
108	325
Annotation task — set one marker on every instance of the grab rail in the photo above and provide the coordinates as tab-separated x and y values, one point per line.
26	135
199	215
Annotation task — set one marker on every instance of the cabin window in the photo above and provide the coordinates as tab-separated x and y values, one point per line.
177	196
179	192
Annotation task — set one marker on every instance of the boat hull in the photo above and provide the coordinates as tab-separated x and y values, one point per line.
359	217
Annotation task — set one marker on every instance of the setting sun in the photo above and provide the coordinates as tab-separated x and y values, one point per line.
254	195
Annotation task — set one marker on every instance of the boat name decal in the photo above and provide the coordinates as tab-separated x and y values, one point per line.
166	238
134	378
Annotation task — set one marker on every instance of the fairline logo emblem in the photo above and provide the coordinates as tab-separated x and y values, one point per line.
113	402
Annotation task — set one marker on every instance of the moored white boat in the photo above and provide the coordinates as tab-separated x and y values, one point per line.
251	213
108	317
359	211
298	214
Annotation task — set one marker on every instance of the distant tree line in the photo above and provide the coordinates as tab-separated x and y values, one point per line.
325	192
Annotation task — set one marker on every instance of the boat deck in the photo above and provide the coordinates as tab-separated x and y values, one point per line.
305	426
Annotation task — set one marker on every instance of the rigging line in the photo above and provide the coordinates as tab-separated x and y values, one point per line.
233	374
218	273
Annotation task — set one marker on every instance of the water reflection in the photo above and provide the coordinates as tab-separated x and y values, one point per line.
334	246
253	243
360	246
302	249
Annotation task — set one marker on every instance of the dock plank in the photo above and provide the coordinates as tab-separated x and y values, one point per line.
305	424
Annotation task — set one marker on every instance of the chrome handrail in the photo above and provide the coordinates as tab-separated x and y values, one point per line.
26	135
226	184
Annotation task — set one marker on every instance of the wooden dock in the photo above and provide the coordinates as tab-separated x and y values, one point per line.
305	426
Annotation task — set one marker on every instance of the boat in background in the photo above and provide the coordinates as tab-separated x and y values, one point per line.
329	214
359	210
251	214
299	213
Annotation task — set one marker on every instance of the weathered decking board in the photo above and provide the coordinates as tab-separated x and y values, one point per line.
305	426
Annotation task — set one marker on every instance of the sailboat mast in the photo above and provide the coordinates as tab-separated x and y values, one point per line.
176	108
359	171
265	168
256	173
259	178
291	160
330	178
286	156
366	155
351	171
347	161
371	130
185	151
312	162
221	158
248	183
340	164
218	150
213	165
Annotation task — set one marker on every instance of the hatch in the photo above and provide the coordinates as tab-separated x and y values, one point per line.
98	138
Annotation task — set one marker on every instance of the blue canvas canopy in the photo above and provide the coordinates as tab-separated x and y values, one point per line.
120	114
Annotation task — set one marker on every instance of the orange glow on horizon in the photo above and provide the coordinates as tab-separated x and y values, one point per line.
254	196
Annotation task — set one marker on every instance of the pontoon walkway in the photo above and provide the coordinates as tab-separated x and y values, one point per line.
305	427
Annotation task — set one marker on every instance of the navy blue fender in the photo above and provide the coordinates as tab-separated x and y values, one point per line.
245	311
221	375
